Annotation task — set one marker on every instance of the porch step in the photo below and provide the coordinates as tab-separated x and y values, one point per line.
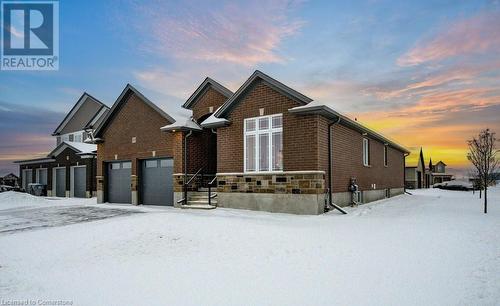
201	197
204	189
198	206
201	201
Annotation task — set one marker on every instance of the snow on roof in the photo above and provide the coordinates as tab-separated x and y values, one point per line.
316	107
213	121
182	124
79	147
82	147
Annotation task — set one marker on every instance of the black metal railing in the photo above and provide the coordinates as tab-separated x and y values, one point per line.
210	196
185	187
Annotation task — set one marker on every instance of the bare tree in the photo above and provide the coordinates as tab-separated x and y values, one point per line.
483	156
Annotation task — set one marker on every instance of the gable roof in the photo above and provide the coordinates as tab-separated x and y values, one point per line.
204	86
97	118
258	75
440	162
78	147
74	110
129	89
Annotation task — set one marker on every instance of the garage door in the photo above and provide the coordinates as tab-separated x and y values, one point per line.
27	178
156	182
119	182
79	182
60	182
41	176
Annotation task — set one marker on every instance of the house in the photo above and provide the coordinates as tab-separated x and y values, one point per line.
69	170
419	176
264	147
10	180
438	173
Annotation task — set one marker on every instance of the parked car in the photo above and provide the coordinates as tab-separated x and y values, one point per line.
4	188
454	185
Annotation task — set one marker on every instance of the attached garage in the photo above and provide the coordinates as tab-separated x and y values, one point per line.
79	181
119	183
156	181
59	181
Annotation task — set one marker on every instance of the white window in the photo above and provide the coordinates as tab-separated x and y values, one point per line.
78	137
263	144
366	152
385	156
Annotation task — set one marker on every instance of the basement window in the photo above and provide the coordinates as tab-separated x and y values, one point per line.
263	144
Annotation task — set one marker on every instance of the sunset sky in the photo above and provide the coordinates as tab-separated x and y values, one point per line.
425	73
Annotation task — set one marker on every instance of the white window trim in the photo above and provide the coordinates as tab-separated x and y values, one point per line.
256	133
65	137
366	152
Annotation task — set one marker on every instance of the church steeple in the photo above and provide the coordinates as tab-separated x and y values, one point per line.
430	164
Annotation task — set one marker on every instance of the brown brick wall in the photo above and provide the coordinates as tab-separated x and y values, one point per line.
135	119
210	97
347	146
300	133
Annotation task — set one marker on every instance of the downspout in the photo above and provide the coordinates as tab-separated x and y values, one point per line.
185	165
330	167
404	172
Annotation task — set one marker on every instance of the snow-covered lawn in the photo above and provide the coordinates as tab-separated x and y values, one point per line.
435	247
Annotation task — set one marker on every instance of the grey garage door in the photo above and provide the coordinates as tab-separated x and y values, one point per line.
60	182
119	182
41	176
79	182
156	182
27	178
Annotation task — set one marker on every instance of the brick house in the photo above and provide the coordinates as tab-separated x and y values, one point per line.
264	147
419	176
69	170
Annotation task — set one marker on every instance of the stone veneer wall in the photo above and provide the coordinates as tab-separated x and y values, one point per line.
294	182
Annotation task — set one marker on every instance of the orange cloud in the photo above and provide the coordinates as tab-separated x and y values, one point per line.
470	36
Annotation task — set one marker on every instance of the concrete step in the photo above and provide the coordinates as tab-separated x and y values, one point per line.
200	197
198	206
201	202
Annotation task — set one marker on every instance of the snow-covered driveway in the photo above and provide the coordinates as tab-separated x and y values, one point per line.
21	212
13	220
433	248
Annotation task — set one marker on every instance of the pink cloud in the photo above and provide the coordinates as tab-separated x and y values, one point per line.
474	35
245	34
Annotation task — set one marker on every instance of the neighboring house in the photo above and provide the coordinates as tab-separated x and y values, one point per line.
268	146
10	180
438	173
69	170
418	176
